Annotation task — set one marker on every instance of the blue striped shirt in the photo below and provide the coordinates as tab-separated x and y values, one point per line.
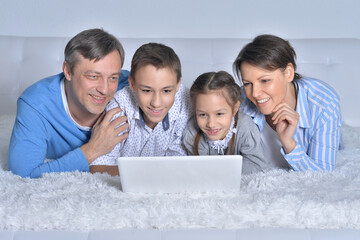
318	134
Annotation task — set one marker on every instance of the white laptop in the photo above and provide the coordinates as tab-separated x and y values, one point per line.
180	173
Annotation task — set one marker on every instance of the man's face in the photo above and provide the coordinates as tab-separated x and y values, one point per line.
155	90
91	85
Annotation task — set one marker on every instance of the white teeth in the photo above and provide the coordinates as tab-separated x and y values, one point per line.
96	97
263	100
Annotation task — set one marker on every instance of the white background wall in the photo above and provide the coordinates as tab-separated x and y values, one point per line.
183	18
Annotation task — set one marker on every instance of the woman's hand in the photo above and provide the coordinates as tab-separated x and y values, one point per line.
286	120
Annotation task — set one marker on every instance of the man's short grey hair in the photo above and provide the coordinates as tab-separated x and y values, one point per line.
92	44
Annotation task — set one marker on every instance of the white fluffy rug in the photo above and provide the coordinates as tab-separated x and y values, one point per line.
84	202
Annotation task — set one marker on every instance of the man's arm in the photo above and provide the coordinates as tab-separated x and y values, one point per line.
30	141
29	146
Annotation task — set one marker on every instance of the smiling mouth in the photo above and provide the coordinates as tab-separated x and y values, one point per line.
155	112
263	100
97	99
212	131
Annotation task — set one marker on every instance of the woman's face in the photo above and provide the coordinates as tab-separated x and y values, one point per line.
266	89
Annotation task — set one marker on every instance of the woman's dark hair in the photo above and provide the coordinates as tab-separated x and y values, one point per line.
268	52
216	81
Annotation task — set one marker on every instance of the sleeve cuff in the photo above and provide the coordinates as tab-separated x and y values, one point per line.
294	157
82	163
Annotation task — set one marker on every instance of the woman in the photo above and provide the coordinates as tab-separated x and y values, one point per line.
299	118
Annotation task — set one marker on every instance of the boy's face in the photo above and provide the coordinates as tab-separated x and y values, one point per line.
155	90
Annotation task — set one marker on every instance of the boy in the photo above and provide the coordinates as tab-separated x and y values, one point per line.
156	104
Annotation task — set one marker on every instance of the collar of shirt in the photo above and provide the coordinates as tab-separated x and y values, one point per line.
302	107
175	110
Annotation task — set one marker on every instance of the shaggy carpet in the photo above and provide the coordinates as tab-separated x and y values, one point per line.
80	201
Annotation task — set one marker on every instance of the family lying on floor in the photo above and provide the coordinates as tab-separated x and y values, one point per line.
276	119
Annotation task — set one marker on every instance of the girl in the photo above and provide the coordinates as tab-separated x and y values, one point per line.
218	128
299	118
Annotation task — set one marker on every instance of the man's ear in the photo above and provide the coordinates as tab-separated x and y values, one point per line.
131	83
67	71
289	72
236	108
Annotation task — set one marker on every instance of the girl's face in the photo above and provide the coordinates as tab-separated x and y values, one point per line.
214	114
266	89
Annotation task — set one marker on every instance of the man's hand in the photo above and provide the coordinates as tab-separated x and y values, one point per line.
105	135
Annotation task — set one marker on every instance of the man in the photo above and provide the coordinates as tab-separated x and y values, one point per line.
60	123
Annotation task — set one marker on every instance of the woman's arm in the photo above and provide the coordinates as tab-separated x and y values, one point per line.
308	148
323	144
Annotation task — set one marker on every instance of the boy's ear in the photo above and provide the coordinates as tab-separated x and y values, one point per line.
178	85
67	71
131	83
236	108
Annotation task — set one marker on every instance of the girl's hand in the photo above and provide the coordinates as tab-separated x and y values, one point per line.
286	120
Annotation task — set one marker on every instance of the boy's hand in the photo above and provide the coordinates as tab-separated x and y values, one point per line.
105	135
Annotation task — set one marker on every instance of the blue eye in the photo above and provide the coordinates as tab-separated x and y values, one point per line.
92	77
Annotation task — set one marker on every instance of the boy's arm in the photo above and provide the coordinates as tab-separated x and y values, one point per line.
183	138
112	170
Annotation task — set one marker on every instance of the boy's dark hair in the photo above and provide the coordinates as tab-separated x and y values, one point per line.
92	44
222	82
268	52
157	55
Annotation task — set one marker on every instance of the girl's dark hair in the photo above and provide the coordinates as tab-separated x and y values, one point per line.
268	52
216	81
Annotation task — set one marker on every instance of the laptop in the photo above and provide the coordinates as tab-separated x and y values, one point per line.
177	174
